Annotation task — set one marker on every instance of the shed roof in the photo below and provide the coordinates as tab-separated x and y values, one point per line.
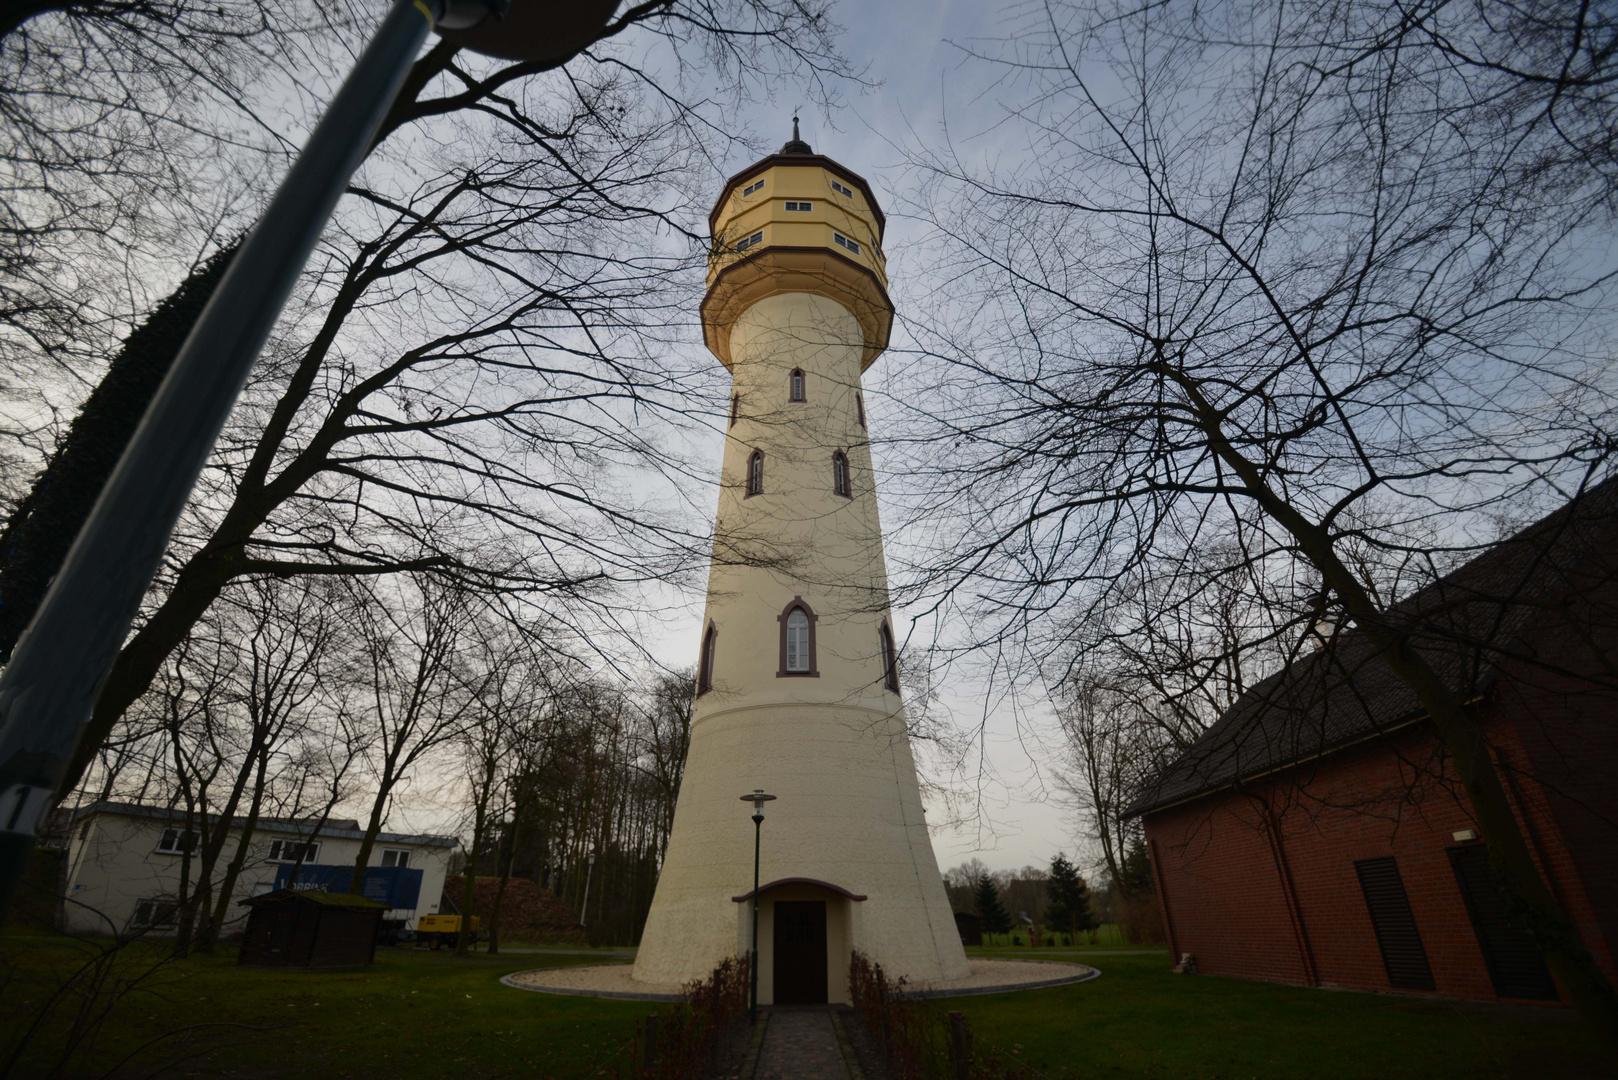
334	829
1465	625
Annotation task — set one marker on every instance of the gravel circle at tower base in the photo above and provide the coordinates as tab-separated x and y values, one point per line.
617	981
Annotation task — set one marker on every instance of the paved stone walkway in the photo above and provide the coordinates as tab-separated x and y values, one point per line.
800	1044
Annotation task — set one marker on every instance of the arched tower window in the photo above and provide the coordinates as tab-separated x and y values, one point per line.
795	383
735	407
890	663
859	407
798	640
705	663
839	475
755	473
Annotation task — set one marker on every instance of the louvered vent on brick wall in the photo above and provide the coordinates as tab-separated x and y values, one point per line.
1514	961
1395	924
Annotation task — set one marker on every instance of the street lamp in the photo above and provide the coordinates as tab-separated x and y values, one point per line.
589	868
48	689
758	799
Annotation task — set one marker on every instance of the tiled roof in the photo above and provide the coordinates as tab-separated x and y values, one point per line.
335	828
1464	625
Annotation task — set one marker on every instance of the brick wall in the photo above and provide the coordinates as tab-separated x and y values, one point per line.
1261	884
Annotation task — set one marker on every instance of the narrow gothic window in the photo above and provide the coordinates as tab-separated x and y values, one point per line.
859	408
797	639
735	405
797	393
839	474
755	473
890	668
705	664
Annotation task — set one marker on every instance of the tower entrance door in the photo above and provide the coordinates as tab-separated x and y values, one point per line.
800	952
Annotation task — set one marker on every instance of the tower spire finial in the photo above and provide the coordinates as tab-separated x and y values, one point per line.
796	145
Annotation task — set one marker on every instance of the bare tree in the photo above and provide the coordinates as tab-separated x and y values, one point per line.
411	639
507	683
1295	277
738	43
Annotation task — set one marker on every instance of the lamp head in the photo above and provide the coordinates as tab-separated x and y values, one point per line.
758	799
539	31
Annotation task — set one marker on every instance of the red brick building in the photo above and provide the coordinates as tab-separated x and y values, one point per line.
1316	834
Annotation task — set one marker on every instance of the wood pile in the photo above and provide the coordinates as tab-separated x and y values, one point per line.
529	915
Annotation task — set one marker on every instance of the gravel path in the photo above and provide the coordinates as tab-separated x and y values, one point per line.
603	980
616	981
996	976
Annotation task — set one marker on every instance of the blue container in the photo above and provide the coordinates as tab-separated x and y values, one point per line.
395	886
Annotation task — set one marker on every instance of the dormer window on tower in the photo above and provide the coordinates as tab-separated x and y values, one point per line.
840	189
750	241
756	185
795	386
800	206
844	242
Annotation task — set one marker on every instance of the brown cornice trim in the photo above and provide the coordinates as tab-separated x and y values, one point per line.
820	160
805	249
873	309
781	882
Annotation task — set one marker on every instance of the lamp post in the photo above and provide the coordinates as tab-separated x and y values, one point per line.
758	799
589	868
48	690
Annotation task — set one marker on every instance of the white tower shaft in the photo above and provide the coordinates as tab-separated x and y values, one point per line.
798	531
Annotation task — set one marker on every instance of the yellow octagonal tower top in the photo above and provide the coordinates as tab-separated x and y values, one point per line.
797	221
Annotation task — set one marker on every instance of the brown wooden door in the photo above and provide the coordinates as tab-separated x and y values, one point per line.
1515	964
800	952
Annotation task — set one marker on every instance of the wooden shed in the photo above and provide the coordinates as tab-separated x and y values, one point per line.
304	928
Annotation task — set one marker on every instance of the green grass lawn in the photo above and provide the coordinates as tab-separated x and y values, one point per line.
413	1013
1137	1020
427	1015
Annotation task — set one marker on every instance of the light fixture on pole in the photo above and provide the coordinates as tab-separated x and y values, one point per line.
48	690
758	799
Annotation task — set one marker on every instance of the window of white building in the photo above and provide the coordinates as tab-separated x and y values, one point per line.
288	850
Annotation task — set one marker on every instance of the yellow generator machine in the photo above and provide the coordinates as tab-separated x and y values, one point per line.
439	931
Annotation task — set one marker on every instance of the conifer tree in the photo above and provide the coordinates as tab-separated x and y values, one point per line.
986	896
1070	911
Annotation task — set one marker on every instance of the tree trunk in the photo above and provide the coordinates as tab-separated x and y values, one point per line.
508	855
227	886
469	885
356	883
182	912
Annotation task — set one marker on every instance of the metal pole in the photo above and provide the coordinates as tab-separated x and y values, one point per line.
752	967
49	689
589	868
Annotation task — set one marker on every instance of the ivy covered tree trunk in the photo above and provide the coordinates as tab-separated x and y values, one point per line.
37	536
